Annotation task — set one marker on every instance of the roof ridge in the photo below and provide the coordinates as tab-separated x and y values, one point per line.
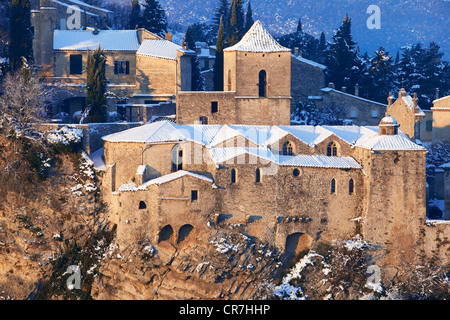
258	39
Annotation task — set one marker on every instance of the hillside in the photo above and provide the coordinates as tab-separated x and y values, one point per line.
402	22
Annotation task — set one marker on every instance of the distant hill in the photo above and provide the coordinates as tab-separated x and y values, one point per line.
403	22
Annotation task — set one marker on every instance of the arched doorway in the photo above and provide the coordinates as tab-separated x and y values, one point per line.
296	244
165	234
184	232
177	158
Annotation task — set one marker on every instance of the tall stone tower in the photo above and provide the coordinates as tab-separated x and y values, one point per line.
258	70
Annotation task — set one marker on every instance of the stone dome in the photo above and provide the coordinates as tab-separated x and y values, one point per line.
388	126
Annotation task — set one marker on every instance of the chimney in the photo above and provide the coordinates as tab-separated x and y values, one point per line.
296	51
437	93
357	90
331	85
344	89
95	31
184	45
168	37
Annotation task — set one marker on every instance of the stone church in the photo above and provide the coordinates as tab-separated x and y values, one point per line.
232	157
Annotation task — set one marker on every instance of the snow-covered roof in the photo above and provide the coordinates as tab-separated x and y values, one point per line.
258	39
319	161
263	136
164	179
160	49
350	95
156	132
387	142
310	62
222	155
256	134
109	40
441	103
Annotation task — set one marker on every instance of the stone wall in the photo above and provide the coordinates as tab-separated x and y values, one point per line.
441	125
192	105
395	206
263	111
62	66
357	109
306	79
156	76
246	66
167	205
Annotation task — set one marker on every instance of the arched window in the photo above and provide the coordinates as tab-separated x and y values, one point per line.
142	205
257	175
332	149
333	186
203	120
350	187
233	176
229	80
177	158
262	83
288	149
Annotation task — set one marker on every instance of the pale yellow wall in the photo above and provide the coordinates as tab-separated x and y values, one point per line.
62	66
441	119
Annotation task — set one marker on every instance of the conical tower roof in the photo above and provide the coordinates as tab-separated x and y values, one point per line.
258	39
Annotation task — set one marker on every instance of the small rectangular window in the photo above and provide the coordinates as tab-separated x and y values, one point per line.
374	113
429	125
214	106
121	67
76	64
194	195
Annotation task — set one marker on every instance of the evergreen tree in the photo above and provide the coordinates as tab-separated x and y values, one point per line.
299	25
248	18
197	81
218	65
221	12
306	43
381	70
154	18
236	21
342	59
96	85
20	34
135	15
322	48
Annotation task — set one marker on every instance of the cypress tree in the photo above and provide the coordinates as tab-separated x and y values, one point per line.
299	25
218	64
154	18
322	48
235	23
96	85
20	34
197	81
221	12
248	18
135	15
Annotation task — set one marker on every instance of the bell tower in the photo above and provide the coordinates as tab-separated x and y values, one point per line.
258	70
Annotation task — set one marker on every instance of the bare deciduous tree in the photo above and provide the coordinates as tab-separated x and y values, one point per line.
23	102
